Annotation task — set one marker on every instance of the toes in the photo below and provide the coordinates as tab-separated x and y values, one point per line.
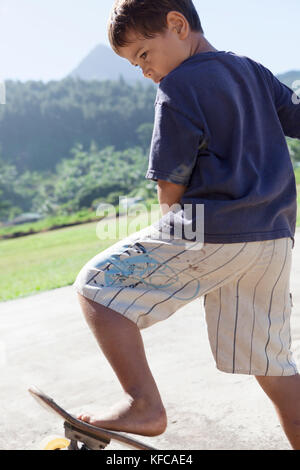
83	417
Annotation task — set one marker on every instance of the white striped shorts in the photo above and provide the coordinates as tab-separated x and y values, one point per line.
246	290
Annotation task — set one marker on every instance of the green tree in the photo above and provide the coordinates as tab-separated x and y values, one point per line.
41	122
144	135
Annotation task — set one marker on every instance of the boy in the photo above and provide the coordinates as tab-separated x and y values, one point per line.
218	141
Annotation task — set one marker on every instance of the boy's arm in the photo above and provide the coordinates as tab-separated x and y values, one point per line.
175	147
287	105
169	194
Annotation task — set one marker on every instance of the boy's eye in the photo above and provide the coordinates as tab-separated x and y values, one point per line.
143	56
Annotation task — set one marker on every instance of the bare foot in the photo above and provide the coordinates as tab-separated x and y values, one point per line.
135	416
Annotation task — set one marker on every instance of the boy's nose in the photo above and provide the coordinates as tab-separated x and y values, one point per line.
146	74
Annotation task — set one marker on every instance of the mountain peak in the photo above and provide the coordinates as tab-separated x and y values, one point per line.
104	64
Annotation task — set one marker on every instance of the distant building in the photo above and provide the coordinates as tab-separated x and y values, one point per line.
130	201
23	219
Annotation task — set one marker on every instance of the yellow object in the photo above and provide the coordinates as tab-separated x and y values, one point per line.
59	443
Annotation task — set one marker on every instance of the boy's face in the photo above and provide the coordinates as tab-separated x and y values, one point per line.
158	56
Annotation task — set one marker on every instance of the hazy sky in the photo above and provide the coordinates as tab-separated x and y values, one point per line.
46	39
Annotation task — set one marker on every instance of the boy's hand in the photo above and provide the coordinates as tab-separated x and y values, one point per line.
169	194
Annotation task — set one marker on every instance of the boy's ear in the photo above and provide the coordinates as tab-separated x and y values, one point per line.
177	22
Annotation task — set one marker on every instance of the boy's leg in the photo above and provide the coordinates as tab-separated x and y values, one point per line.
284	393
120	340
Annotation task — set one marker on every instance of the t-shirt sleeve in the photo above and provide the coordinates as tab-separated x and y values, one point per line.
287	104
175	145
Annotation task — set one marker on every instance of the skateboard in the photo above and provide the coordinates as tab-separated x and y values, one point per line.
80	435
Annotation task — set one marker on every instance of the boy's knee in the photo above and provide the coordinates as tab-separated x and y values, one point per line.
97	314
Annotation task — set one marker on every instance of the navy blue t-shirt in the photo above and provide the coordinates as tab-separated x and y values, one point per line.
220	126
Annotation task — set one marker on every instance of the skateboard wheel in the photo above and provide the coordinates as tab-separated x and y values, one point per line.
56	443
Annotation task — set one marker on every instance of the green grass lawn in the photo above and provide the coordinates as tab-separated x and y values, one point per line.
48	260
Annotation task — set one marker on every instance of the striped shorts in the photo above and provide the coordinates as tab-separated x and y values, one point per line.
245	286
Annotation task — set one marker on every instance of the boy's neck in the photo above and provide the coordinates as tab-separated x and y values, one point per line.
200	44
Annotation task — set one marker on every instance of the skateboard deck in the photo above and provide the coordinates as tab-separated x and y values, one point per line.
79	432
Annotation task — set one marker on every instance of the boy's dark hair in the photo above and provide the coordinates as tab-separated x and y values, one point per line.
147	17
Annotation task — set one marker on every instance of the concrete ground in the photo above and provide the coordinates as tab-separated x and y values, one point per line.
45	342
